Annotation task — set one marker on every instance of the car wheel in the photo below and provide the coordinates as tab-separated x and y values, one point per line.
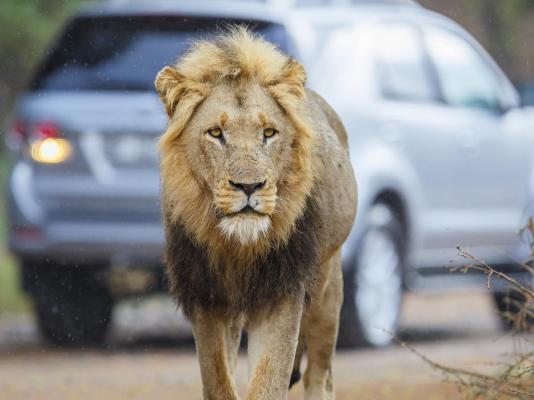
72	305
513	314
373	283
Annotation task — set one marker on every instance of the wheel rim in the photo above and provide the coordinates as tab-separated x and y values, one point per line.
379	287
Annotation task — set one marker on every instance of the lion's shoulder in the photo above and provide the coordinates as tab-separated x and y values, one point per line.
316	101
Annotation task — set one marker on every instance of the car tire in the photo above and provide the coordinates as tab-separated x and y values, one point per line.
73	305
373	283
509	307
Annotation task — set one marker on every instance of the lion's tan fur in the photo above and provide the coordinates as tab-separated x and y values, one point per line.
243	60
241	82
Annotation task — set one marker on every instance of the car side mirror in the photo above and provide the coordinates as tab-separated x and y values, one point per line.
506	108
526	95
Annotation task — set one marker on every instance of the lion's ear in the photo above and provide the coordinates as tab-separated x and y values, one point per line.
180	96
289	87
288	90
175	89
294	76
170	86
290	93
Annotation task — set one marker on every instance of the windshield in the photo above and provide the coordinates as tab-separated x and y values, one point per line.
125	53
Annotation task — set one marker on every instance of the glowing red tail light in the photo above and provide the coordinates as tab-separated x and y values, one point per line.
23	134
20	131
45	130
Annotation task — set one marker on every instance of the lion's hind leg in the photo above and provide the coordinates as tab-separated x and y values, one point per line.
295	374
321	327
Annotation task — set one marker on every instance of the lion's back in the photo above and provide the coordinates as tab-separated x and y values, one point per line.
331	116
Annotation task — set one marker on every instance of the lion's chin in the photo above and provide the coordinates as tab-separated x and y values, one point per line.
246	228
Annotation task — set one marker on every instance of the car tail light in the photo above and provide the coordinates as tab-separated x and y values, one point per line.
45	130
17	135
19	130
27	232
43	141
21	133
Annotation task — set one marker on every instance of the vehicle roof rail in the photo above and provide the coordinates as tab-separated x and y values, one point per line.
292	3
341	2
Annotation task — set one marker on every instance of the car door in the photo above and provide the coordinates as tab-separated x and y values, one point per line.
412	122
384	92
491	161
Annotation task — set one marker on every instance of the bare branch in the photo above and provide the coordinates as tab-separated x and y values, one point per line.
516	378
484	267
483	381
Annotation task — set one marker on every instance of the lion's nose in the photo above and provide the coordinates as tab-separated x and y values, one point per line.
247	188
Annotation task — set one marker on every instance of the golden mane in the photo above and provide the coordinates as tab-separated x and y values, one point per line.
241	58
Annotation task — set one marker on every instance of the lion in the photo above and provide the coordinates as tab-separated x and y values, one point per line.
258	195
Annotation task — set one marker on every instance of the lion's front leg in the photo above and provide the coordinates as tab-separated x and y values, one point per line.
271	350
217	342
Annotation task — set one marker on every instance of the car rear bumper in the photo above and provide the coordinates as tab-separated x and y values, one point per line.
36	234
90	242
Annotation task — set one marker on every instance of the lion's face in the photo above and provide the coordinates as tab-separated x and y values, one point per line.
236	155
240	146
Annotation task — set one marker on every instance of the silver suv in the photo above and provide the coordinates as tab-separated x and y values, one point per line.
443	154
439	146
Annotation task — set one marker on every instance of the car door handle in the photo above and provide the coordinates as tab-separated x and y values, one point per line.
468	140
468	144
391	132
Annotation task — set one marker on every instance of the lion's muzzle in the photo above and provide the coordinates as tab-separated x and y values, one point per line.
253	202
233	197
246	208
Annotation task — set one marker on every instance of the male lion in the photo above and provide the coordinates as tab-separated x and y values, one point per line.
258	196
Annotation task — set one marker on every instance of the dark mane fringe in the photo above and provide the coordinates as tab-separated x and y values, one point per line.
283	272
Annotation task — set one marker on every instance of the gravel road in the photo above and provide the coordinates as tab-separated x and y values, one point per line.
151	355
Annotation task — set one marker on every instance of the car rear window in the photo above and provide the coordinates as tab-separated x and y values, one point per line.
125	53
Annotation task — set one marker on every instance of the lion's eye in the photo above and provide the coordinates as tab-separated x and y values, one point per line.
269	132
215	132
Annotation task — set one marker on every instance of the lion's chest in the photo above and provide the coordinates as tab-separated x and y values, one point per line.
285	271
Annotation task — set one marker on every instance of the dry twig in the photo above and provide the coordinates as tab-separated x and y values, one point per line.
516	381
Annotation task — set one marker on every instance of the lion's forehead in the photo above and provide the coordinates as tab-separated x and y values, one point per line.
240	104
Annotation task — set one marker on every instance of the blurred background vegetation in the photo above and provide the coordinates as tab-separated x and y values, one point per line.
27	27
504	27
11	297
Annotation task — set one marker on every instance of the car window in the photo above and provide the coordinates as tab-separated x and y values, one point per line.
465	78
125	53
337	68
400	64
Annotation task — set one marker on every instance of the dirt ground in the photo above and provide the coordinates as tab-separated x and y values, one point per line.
151	356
